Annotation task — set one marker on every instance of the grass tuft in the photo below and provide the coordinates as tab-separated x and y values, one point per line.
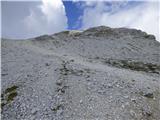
11	96
11	89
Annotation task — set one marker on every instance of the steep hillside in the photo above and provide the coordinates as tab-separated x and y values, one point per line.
100	73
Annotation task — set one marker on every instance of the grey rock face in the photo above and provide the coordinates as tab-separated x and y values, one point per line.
100	73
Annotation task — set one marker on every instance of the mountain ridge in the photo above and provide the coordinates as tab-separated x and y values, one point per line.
97	29
99	73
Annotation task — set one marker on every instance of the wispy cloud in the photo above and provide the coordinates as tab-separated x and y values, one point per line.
139	15
49	16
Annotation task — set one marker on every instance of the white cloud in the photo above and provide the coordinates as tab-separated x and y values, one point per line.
47	18
144	16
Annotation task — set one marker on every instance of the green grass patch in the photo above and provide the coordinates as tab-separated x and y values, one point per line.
11	89
8	95
55	109
134	65
11	96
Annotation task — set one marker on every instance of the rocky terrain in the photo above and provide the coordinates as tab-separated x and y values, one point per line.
100	73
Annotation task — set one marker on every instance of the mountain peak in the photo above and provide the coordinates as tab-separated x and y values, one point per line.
105	31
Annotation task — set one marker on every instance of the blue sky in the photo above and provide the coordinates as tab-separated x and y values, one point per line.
22	19
72	12
75	10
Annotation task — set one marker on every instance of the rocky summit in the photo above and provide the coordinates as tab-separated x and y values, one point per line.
100	73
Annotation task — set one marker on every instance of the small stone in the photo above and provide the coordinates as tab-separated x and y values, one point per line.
88	76
127	104
23	105
111	97
59	83
133	80
32	118
149	95
91	108
110	86
126	97
133	100
72	60
132	113
148	114
49	97
46	75
101	92
81	101
4	74
36	96
88	83
34	110
47	64
117	85
123	106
